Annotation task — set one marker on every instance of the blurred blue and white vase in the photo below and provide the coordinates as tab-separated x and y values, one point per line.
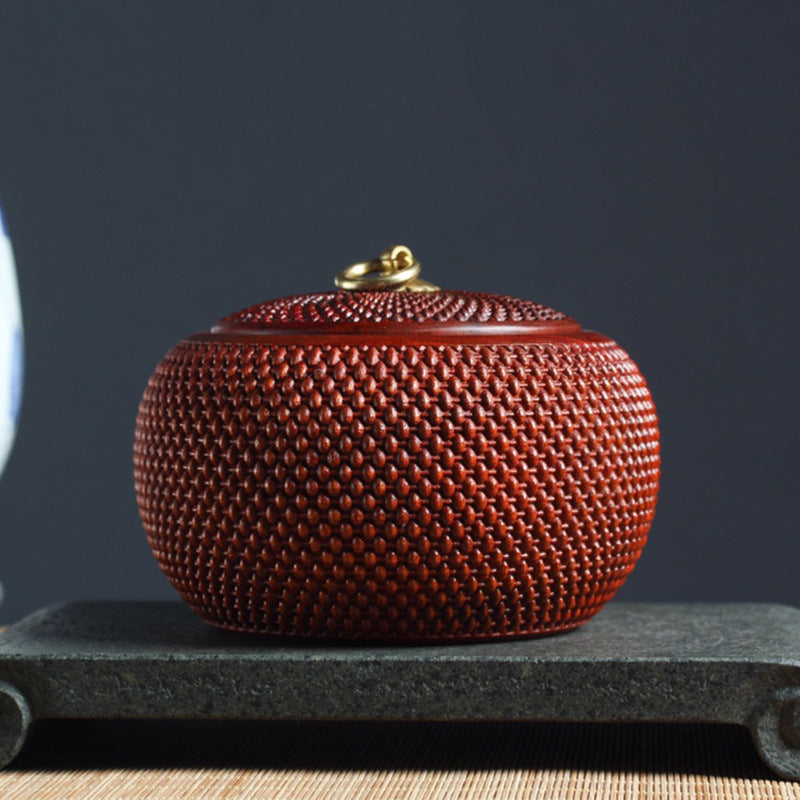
10	345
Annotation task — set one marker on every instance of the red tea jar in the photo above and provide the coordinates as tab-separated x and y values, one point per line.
392	461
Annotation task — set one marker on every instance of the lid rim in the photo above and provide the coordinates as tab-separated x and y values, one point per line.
392	329
417	336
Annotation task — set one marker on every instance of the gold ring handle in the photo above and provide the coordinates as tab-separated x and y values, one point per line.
395	270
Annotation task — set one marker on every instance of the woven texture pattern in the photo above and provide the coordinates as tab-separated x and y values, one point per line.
432	492
377	307
338	761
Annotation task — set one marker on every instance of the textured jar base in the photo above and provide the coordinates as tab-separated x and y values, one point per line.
377	639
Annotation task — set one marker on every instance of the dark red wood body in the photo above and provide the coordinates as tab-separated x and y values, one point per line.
418	479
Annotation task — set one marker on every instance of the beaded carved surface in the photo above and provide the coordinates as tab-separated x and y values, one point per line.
377	307
425	492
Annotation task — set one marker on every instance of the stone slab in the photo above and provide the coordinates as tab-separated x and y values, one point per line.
728	663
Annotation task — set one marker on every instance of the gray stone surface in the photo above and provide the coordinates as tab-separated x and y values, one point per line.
731	663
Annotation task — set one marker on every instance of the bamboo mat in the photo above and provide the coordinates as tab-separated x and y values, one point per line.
388	761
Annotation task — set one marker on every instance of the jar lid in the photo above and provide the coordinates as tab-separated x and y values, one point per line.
386	298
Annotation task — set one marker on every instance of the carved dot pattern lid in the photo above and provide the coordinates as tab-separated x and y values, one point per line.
386	296
323	309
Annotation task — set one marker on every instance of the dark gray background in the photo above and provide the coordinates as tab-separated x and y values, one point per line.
163	164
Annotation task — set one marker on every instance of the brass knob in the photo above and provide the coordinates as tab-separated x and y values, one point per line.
395	270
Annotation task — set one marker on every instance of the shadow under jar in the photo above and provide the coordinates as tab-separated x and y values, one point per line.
396	462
